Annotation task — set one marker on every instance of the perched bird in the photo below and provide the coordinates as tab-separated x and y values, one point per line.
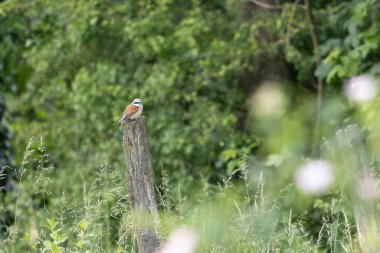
132	111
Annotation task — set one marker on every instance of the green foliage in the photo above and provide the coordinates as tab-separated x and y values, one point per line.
5	146
347	38
237	216
90	58
68	69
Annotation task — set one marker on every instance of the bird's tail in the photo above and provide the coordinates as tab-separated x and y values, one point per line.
121	119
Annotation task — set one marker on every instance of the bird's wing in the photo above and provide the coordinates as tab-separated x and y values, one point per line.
130	110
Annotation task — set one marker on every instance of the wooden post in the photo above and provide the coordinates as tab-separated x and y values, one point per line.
363	187
139	180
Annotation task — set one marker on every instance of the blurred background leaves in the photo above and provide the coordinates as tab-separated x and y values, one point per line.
218	79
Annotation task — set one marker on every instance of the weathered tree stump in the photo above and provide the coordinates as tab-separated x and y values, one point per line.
363	188
139	180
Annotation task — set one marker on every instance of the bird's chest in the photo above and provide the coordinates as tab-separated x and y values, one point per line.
138	113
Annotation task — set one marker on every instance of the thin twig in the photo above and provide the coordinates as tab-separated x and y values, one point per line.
290	21
316	49
313	34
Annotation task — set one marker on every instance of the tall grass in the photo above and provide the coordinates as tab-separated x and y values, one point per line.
241	215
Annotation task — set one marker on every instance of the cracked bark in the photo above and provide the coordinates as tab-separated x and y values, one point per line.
139	180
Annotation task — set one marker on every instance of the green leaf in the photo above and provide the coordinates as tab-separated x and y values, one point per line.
323	70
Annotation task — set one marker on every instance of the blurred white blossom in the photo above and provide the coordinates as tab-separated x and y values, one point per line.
182	240
34	236
361	89
366	187
269	100
314	177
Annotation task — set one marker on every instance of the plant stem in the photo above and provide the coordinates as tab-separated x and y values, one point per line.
314	39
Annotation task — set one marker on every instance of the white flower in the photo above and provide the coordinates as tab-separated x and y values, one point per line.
361	89
269	100
182	240
314	177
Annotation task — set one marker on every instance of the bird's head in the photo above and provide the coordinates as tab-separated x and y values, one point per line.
137	102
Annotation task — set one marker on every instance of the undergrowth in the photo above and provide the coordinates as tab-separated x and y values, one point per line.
240	215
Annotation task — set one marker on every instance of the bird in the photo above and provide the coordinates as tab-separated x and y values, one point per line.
132	111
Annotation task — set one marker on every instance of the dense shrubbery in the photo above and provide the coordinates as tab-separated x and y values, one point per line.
68	68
